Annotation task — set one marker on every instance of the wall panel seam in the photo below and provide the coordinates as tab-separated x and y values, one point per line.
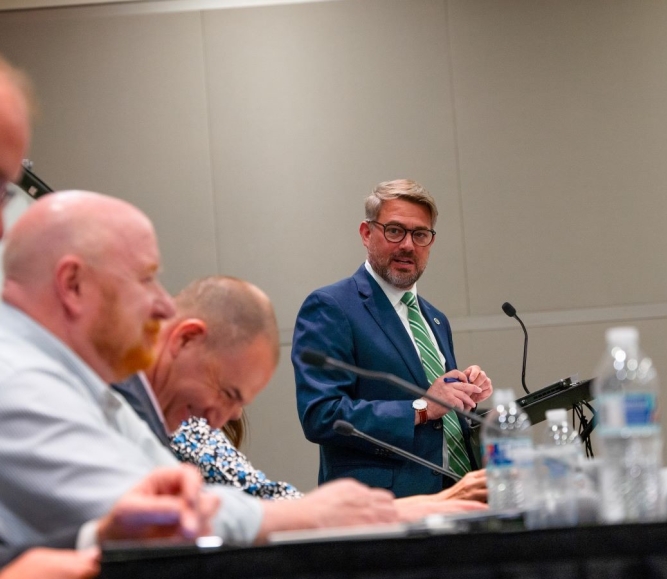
618	314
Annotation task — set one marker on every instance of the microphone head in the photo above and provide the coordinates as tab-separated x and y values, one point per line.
313	358
509	310
342	427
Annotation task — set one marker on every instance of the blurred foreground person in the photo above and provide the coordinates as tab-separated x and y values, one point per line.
165	496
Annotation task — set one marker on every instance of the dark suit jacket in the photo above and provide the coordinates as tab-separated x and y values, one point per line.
353	321
134	392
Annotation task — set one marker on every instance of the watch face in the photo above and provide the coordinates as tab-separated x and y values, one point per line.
419	404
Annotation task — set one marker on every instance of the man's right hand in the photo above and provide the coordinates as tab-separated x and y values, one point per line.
169	502
472	487
348	502
458	394
339	503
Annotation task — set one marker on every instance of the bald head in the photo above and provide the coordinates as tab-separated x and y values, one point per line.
236	312
84	266
88	225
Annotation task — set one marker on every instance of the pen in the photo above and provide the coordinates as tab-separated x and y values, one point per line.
448	380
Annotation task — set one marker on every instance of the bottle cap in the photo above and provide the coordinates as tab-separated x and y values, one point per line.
503	397
556	416
623	336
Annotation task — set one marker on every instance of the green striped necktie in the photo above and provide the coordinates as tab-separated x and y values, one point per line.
458	457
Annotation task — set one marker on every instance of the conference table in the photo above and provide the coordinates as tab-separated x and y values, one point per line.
599	552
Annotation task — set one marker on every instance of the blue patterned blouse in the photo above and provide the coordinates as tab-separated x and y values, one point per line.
219	461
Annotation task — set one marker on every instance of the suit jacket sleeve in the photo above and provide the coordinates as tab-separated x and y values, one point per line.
324	396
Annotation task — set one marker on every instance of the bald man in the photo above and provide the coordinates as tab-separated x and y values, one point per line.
217	354
167	495
82	307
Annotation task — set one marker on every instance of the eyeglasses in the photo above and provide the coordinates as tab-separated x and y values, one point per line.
6	193
396	233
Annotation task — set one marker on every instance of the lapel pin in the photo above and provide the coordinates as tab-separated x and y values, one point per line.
437	321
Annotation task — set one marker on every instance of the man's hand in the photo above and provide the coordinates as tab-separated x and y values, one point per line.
168	503
336	504
54	564
472	487
453	388
478	377
348	502
410	511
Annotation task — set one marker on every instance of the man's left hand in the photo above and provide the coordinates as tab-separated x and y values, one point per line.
478	377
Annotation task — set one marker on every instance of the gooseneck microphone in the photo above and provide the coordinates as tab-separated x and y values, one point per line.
510	311
320	360
346	429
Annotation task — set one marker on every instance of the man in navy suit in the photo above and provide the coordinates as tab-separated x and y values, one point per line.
365	320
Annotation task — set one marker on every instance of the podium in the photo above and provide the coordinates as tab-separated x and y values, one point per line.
562	394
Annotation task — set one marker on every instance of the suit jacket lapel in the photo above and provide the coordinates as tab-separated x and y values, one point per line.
379	307
134	391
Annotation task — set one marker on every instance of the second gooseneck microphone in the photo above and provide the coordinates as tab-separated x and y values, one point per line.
510	311
346	429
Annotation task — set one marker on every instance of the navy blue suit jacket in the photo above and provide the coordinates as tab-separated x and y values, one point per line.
134	391
353	321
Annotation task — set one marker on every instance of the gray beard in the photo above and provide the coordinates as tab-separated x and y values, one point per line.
401	281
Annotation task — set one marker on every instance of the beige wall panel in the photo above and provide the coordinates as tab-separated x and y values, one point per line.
562	118
276	443
311	105
123	111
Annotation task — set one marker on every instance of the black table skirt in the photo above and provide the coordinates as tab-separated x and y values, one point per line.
605	552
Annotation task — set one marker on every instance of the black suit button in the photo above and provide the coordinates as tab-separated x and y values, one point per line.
436	473
437	424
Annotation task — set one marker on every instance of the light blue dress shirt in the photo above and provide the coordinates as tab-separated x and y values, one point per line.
70	446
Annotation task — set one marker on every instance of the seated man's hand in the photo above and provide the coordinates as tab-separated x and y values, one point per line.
410	511
472	487
54	564
339	503
168	503
348	502
478	377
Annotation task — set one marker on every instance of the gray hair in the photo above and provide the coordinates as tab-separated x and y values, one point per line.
403	189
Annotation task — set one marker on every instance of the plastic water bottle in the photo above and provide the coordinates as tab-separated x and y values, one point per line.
508	454
556	465
626	389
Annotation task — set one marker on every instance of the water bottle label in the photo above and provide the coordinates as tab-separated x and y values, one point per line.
635	409
506	453
640	409
557	467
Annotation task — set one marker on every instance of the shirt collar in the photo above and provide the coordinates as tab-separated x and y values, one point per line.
22	326
393	294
